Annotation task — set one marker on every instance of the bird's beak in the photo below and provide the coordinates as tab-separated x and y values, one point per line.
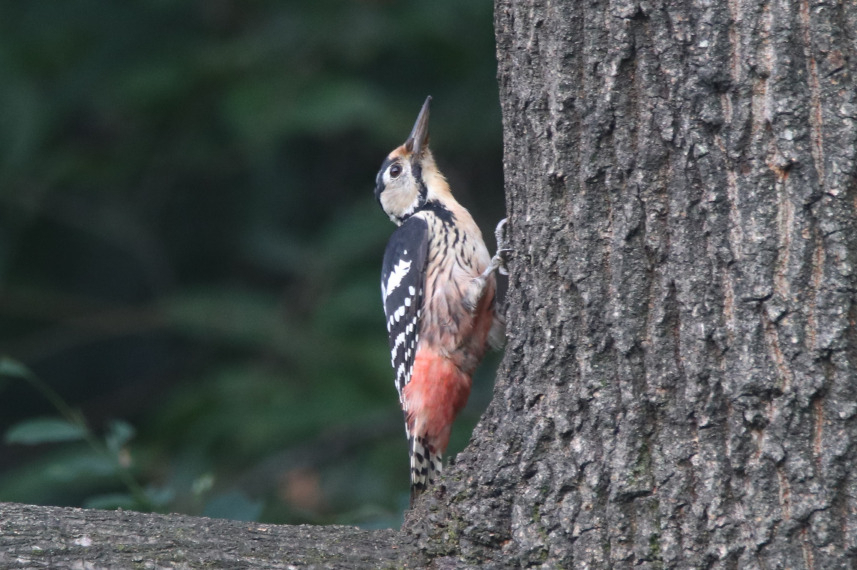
418	139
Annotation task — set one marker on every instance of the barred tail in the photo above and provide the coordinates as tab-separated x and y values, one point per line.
425	463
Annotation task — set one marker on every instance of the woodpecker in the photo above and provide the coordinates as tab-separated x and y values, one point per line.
438	288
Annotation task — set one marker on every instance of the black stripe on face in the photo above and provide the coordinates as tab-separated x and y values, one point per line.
417	172
379	178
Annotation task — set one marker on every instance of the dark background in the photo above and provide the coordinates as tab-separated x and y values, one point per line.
190	249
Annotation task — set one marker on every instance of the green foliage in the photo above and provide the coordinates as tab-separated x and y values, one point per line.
44	430
104	458
189	241
234	505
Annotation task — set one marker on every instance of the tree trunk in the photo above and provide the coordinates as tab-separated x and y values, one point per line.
680	387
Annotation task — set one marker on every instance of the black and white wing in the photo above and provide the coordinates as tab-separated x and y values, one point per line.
402	285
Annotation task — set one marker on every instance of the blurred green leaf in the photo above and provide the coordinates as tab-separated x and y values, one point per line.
44	430
233	505
110	501
202	484
49	479
12	368
118	434
81	466
160	496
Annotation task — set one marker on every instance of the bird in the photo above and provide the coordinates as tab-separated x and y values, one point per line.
438	288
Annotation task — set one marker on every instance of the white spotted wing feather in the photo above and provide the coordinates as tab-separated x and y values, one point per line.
402	284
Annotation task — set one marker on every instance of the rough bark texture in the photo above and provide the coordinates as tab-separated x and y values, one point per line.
53	537
680	383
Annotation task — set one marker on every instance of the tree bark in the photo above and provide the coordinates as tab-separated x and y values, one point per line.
53	537
679	388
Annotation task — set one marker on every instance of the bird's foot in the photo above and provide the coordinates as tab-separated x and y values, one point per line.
498	262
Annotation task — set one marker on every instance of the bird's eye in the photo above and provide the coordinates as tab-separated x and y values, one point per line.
395	170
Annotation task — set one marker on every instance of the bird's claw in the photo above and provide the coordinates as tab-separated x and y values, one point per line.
500	234
500	258
498	262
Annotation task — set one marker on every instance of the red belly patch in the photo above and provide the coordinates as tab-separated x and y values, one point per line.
436	393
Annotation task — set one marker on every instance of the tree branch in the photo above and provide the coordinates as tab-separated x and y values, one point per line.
57	537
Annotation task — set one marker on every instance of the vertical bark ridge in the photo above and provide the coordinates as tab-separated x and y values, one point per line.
816	120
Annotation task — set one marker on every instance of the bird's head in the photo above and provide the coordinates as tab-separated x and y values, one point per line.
409	177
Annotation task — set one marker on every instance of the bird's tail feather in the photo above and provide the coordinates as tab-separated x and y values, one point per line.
426	462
